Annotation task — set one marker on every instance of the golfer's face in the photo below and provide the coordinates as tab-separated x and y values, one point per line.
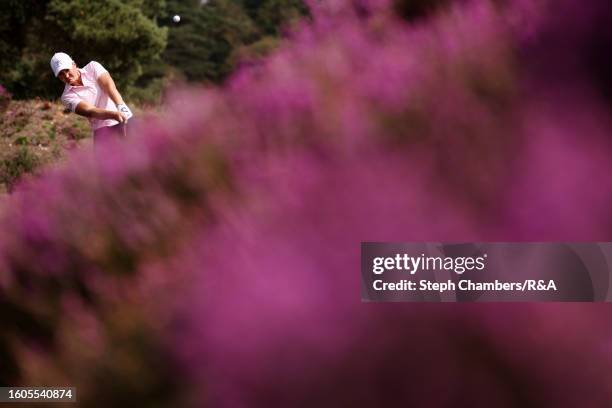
69	76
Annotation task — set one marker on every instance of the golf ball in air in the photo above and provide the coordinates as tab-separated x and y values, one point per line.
176	18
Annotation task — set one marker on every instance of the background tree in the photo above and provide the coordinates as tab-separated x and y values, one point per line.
271	15
212	36
200	46
122	35
136	40
16	17
116	33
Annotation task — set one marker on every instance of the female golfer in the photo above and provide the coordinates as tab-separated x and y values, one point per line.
91	92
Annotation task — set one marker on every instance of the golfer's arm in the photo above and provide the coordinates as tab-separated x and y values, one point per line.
90	111
108	85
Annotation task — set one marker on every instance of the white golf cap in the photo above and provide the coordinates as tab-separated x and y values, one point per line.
59	61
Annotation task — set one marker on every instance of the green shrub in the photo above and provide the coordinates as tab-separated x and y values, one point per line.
21	141
12	167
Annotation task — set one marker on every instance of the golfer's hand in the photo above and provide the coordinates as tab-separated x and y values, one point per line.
119	117
125	111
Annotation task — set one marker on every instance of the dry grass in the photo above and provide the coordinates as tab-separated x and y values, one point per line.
35	134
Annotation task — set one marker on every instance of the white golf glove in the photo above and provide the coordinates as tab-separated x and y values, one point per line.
125	111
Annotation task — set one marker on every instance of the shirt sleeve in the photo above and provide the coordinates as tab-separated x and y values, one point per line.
97	69
70	101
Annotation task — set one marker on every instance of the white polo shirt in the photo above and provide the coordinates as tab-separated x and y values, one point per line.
90	92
